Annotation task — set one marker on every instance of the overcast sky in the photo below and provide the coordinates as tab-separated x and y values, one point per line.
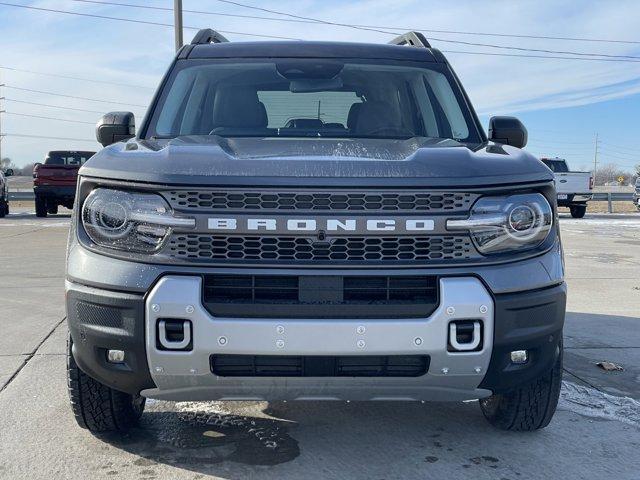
562	102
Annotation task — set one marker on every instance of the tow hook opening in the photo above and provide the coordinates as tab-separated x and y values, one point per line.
174	334
465	336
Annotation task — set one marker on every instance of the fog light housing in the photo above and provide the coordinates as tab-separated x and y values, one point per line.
115	356
519	357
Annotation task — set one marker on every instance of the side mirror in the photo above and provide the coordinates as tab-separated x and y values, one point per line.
508	131
115	127
8	172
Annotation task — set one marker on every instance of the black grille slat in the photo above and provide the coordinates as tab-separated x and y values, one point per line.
289	296
201	247
409	201
316	366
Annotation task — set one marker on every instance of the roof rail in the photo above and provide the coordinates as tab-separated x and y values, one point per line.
206	36
411	39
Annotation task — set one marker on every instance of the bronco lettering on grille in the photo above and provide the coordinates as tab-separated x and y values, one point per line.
329	225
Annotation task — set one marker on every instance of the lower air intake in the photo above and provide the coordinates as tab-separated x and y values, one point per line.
316	366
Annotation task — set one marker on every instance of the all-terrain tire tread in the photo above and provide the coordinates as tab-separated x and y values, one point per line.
97	407
528	407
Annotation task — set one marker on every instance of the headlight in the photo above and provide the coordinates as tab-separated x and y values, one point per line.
513	223
131	221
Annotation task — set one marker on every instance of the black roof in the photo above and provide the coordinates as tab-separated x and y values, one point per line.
304	49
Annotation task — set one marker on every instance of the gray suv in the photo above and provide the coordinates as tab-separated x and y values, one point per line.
313	220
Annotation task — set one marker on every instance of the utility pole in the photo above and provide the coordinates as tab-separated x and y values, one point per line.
177	22
1	112
595	161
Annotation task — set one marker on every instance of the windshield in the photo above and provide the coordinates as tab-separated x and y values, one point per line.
312	98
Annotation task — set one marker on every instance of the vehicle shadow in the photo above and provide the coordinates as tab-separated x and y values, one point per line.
361	437
31	215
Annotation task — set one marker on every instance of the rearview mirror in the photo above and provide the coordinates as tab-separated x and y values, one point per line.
8	172
508	131
115	127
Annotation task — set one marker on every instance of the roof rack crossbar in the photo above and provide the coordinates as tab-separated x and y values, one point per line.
206	36
411	39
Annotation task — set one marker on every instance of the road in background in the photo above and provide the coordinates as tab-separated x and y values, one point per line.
595	434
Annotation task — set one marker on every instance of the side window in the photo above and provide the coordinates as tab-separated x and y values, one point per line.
284	106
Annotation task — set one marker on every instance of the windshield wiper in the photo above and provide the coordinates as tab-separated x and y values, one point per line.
163	137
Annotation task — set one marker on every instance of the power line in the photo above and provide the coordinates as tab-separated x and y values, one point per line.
72	78
21	135
53	106
131	20
587	56
299	18
460	42
556	57
560	142
633	151
302	19
538	50
47	118
622	155
73	96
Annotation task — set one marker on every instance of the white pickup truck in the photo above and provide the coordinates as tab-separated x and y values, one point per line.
574	189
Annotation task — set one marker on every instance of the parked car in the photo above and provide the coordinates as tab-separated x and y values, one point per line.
574	189
4	192
379	247
636	193
54	181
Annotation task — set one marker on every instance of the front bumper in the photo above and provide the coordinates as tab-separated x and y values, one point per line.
100	320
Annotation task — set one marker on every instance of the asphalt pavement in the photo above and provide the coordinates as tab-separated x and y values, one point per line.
594	435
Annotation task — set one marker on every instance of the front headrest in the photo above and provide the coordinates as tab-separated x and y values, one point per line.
352	118
374	116
238	107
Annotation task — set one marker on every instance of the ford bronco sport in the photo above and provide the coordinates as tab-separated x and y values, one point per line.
313	220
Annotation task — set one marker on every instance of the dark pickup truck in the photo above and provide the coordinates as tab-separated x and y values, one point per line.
54	181
4	192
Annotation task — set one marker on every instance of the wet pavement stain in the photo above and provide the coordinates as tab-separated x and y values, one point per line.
431	459
197	436
485	460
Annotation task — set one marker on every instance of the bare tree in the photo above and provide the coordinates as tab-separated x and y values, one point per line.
27	170
6	163
611	174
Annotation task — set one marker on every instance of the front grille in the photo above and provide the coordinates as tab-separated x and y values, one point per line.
320	296
321	201
194	247
316	366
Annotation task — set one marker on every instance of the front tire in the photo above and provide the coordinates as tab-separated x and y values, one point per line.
41	207
96	407
578	211
528	407
4	207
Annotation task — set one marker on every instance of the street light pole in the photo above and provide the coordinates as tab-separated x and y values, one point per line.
595	162
177	21
1	112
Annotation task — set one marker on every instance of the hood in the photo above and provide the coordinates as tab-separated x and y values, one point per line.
217	161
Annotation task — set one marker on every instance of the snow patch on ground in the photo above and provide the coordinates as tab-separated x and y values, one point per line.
593	403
